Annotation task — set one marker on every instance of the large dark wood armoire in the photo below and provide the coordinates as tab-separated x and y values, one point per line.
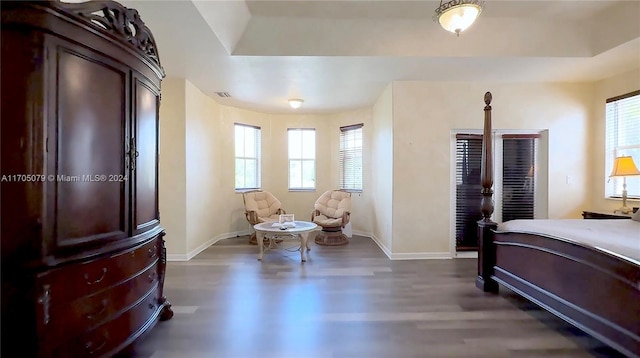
83	258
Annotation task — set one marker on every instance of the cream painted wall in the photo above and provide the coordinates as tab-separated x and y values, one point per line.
382	167
203	170
298	203
611	87
424	115
172	166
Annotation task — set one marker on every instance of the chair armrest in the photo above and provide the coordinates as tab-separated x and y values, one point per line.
252	217
281	212
314	213
346	216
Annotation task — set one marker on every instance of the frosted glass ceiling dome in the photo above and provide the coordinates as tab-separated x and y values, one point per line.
457	15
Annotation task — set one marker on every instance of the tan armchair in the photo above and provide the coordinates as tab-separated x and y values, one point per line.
261	206
332	212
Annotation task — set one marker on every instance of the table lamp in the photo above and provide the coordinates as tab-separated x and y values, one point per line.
623	167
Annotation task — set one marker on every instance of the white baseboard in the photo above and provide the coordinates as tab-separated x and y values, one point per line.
177	257
188	256
422	256
407	256
380	245
467	255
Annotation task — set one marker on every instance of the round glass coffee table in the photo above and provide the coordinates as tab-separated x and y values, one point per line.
273	230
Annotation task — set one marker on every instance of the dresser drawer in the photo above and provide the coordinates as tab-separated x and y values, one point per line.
68	283
103	340
72	319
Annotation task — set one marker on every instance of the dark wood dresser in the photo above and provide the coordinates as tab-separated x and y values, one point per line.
604	215
83	257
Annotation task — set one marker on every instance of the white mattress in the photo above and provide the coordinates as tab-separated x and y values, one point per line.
618	237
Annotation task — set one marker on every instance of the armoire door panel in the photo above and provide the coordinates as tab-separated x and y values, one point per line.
146	161
90	190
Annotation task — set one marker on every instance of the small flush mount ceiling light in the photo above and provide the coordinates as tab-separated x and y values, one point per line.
457	15
295	103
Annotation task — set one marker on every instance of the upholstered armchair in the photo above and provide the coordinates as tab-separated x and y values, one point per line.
259	207
332	212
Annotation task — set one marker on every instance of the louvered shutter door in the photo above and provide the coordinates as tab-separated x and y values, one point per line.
518	176
468	190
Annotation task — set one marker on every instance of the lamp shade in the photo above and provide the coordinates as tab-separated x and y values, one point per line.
624	166
295	103
457	15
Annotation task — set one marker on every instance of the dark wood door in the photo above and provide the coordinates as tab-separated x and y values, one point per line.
87	127
146	99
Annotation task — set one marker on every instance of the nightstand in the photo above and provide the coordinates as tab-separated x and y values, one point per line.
604	215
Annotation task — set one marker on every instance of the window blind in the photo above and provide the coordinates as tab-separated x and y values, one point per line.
468	190
351	157
622	139
518	176
247	156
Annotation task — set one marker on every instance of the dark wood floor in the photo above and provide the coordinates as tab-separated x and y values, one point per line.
348	301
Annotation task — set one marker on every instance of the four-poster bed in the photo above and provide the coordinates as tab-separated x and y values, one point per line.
591	285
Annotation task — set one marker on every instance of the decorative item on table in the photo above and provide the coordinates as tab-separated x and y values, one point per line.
285	221
623	167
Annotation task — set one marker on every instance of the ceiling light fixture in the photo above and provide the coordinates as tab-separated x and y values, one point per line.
295	103
457	15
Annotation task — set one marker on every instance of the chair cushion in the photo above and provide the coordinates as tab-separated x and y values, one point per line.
334	203
327	222
262	202
266	219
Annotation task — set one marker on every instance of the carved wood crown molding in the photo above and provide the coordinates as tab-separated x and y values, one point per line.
118	20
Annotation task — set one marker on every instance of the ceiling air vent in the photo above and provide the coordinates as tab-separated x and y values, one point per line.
223	94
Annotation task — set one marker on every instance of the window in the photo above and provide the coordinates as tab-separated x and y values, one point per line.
302	159
622	139
351	158
247	147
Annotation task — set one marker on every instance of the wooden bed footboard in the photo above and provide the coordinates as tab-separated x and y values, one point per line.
595	291
591	289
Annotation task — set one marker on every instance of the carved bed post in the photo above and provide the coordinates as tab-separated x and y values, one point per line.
166	312
486	249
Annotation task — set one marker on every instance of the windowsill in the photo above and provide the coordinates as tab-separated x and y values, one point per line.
240	191
618	198
302	190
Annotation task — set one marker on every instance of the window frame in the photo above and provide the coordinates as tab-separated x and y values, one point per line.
257	157
613	185
302	159
346	158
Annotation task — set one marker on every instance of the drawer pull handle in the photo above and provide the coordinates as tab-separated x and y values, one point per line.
99	311
104	273
89	346
153	251
152	276
45	301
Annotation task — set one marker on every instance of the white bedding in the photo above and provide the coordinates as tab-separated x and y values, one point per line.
618	237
